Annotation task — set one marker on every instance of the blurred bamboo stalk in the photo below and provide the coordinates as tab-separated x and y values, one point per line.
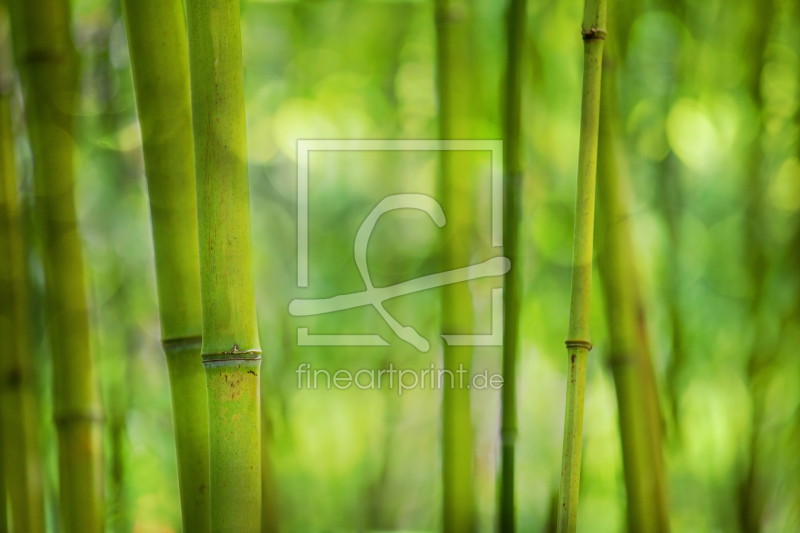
752	497
22	473
158	47
637	399
669	205
578	338
453	79
512	209
3	493
48	65
231	350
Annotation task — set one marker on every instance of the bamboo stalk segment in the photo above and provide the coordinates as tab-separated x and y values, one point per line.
159	51
578	338
48	65
231	350
512	211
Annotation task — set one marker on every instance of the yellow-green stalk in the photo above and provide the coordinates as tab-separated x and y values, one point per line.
22	468
48	65
452	33
578	338
637	401
231	350
512	190
159	52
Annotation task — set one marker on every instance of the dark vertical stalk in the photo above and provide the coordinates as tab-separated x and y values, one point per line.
751	489
21	474
512	190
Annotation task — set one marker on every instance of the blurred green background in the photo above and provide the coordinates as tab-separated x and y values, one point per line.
700	103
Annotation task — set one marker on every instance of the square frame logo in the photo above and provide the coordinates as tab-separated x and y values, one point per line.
375	296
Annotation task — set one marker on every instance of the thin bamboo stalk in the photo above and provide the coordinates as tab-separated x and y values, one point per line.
231	350
116	376
158	47
578	339
512	190
669	194
22	474
3	492
452	32
751	493
637	402
48	65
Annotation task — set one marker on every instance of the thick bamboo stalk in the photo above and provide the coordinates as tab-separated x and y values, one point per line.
18	407
49	68
231	350
637	402
578	339
512	190
452	32
158	47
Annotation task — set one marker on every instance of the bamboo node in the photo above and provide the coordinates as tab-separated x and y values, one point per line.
594	34
91	415
180	343
218	358
578	343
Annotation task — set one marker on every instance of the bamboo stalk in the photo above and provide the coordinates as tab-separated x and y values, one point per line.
512	190
751	491
48	65
22	468
231	350
452	32
578	339
637	402
3	492
158	48
669	194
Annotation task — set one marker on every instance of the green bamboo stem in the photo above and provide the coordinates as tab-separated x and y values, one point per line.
3	493
512	190
18	407
452	32
639	414
49	69
231	350
578	338
6	167
157	42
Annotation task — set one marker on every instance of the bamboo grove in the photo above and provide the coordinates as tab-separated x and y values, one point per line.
595	255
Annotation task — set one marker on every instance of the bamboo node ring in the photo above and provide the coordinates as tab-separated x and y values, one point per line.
577	343
179	343
594	34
